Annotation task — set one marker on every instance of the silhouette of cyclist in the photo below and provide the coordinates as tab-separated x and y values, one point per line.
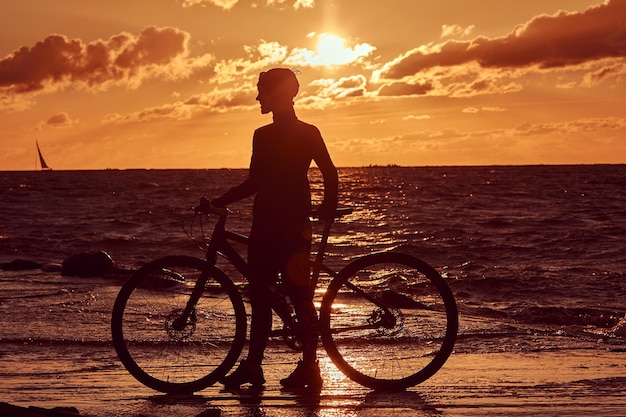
280	237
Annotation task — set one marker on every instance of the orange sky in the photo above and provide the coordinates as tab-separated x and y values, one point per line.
171	83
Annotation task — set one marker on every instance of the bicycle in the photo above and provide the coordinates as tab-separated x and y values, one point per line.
387	320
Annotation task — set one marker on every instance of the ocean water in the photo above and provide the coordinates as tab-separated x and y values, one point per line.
535	255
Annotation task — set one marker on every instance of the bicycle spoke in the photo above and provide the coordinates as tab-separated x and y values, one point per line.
386	323
161	346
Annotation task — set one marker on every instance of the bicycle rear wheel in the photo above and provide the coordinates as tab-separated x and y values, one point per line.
171	356
388	321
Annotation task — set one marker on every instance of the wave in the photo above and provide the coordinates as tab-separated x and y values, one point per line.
533	246
564	316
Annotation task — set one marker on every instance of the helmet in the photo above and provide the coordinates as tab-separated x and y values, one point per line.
280	82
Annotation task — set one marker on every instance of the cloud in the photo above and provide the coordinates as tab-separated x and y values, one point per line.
558	142
246	70
265	54
59	120
15	103
229	4
406	89
331	51
456	30
224	4
308	4
417	117
58	62
235	87
483	109
559	40
599	75
215	101
458	81
296	4
345	87
578	126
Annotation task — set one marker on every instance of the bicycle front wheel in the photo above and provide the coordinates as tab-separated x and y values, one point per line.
388	321
166	351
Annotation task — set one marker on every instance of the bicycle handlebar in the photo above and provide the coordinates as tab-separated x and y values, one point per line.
206	207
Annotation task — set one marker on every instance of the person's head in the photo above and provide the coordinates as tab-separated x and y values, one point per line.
277	88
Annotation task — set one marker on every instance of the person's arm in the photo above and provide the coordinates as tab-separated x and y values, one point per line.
243	190
239	192
331	181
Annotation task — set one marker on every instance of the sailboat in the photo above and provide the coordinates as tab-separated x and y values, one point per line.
42	162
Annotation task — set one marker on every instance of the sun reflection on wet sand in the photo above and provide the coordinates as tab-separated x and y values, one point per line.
471	385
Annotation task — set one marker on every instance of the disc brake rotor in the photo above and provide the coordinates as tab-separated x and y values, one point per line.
387	322
173	328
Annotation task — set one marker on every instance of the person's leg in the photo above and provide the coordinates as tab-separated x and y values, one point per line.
261	321
307	373
297	280
262	275
296	277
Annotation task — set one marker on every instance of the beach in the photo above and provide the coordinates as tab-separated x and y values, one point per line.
577	382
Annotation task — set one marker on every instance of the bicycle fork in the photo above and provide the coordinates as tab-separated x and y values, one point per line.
188	315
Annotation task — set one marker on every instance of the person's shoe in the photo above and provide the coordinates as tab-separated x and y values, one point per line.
305	376
245	373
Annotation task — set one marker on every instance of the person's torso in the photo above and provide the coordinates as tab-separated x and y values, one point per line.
281	158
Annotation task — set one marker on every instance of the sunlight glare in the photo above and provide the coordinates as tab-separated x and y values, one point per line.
331	50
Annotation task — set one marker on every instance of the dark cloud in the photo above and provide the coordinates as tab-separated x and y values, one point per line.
602	73
546	41
59	120
404	89
57	60
154	46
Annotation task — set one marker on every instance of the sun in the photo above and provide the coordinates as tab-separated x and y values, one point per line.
331	50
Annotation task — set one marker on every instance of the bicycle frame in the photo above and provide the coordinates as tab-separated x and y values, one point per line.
220	245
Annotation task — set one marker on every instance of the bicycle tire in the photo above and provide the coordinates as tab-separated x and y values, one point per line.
170	359
396	346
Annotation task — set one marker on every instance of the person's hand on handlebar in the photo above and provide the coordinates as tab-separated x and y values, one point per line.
204	206
210	207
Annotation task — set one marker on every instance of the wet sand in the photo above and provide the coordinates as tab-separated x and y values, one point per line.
575	382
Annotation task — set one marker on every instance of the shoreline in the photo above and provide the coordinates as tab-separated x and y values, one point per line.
548	383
